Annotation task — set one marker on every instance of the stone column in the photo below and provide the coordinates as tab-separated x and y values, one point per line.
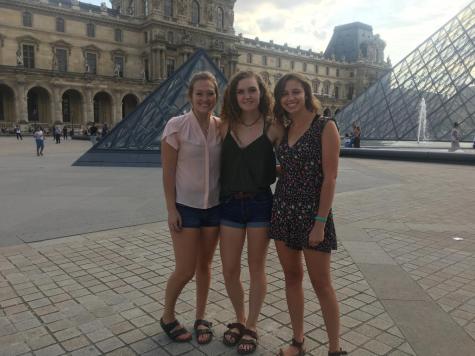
117	112
57	104
21	103
155	69
88	107
162	65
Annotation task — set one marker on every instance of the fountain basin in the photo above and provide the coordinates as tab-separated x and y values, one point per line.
433	152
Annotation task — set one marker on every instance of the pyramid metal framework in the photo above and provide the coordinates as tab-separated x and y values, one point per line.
441	70
135	141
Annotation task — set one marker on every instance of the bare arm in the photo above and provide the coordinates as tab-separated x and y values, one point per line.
275	133
169	162
330	156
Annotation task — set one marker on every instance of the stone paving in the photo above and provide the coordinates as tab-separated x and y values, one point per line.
405	286
103	292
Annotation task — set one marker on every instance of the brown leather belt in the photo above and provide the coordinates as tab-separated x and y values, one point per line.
243	195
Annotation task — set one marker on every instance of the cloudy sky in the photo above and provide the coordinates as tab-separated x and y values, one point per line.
402	24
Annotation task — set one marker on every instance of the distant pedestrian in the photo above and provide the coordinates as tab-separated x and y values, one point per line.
455	136
105	130
39	136
65	133
356	136
473	142
57	134
93	133
18	133
347	140
71	132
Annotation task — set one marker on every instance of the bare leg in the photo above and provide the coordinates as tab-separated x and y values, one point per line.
231	243
318	266
185	244
291	261
257	244
206	249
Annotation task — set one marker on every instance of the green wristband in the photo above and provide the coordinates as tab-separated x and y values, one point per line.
320	219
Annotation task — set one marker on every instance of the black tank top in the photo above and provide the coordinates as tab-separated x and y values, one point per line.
250	169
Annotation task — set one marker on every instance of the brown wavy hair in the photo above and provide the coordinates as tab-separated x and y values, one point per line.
203	76
230	111
311	102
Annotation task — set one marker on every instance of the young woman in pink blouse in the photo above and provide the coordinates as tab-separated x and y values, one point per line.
191	147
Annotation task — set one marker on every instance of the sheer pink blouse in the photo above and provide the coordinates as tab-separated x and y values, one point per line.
198	165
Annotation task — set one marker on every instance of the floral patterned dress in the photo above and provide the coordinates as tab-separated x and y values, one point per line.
297	194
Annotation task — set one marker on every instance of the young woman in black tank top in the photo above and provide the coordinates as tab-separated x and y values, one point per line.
247	171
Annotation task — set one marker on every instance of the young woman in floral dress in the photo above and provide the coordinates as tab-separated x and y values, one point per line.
302	221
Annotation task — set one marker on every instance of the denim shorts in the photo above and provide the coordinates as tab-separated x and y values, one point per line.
196	218
254	211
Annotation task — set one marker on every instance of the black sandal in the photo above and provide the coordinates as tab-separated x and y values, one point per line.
247	342
206	331
338	353
234	335
298	345
174	334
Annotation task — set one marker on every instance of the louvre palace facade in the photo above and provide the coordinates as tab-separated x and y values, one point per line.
69	62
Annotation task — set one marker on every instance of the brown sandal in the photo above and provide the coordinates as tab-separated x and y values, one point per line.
298	346
173	333
252	343
234	335
206	331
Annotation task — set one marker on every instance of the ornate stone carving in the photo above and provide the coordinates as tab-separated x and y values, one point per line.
182	6
19	58
186	37
230	17
210	9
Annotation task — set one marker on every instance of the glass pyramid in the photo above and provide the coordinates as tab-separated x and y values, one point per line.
441	70
135	141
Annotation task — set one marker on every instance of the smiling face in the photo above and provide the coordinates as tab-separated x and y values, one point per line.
248	94
203	97
293	97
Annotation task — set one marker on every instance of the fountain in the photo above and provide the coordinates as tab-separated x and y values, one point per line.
422	128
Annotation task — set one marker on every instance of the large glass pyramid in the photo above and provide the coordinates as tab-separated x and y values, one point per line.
441	70
135	141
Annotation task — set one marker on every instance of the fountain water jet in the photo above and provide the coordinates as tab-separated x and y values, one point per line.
422	128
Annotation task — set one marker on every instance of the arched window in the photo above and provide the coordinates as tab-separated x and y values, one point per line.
170	37
195	13
27	19
168	8
59	24
220	18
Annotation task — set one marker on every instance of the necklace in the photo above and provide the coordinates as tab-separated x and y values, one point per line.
251	124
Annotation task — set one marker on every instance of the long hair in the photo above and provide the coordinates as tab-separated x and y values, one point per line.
230	111
203	76
311	102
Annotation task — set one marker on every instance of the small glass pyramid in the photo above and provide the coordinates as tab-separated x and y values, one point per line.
135	141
